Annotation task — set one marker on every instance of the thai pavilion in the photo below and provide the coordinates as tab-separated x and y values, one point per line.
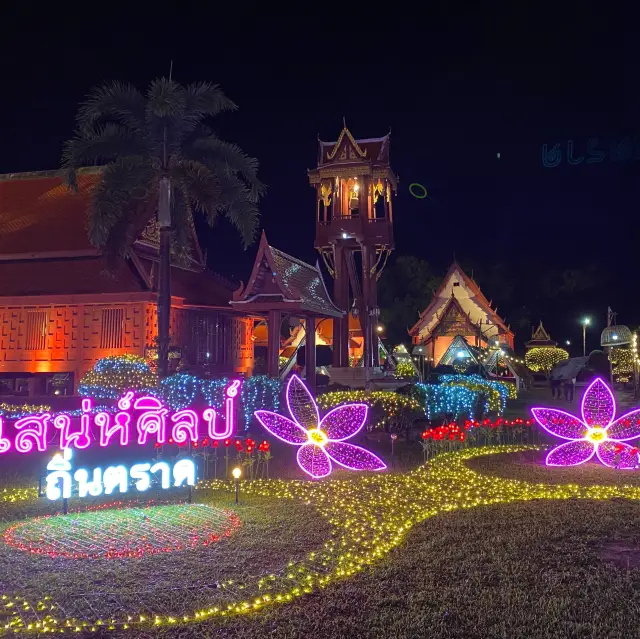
540	338
62	307
459	309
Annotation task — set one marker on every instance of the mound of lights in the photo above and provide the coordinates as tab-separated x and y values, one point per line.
110	376
390	404
108	533
370	516
544	358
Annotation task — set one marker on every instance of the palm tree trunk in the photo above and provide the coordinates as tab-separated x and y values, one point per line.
164	280
164	301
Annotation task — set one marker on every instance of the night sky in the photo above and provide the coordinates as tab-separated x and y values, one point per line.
456	87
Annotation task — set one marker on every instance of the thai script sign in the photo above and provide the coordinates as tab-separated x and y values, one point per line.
593	152
146	416
136	420
115	478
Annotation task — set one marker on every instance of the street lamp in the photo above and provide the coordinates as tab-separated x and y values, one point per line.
380	328
236	472
568	343
585	322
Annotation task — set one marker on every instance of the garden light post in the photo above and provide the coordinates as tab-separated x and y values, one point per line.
585	322
236	472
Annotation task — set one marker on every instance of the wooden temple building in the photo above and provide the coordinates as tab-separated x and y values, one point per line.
354	182
282	287
459	309
62	307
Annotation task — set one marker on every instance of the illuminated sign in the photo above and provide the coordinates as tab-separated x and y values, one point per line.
144	418
114	478
138	420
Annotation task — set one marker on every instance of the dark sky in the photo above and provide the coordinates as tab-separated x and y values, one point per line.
456	86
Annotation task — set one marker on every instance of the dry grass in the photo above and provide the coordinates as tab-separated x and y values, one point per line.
272	533
523	571
529	466
529	567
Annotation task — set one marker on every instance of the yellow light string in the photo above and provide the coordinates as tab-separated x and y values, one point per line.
370	516
544	358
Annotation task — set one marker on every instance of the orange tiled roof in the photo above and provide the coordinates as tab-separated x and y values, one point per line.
40	214
196	287
73	276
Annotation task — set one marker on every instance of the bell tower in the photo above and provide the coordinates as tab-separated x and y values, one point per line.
354	232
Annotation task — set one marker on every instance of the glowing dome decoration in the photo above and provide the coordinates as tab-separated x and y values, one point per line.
320	441
595	434
616	335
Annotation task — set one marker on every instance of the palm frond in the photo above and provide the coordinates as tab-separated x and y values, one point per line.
118	201
238	207
119	100
95	147
200	184
165	99
229	157
204	99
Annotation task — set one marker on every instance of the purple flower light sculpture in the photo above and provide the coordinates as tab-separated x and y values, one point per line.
321	442
595	434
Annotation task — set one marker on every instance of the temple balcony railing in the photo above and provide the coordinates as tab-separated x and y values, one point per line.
372	231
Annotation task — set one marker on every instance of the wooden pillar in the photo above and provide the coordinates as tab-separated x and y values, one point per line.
310	328
365	322
273	343
341	300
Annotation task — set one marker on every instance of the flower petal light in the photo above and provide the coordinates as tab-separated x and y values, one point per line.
321	441
595	434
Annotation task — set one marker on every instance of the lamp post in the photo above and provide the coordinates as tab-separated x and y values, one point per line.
585	322
236	472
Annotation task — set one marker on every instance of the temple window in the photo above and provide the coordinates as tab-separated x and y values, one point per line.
37	323
112	324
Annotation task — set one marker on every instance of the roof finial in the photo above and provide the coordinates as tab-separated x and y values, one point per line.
170	70
344	122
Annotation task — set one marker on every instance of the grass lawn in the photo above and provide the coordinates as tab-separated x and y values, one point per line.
475	545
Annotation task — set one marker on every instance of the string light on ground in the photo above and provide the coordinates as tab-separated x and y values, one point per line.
108	533
370	516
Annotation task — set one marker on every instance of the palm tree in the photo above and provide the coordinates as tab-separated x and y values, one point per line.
160	155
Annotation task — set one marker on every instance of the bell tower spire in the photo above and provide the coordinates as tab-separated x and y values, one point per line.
354	231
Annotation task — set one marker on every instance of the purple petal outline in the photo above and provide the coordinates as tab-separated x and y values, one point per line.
261	414
562	446
341	408
296	380
614	442
302	451
376	462
564	414
618	422
590	422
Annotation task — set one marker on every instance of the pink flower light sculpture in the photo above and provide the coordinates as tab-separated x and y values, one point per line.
595	434
321	442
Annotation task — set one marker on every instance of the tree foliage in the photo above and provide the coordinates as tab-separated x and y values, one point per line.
142	138
406	288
